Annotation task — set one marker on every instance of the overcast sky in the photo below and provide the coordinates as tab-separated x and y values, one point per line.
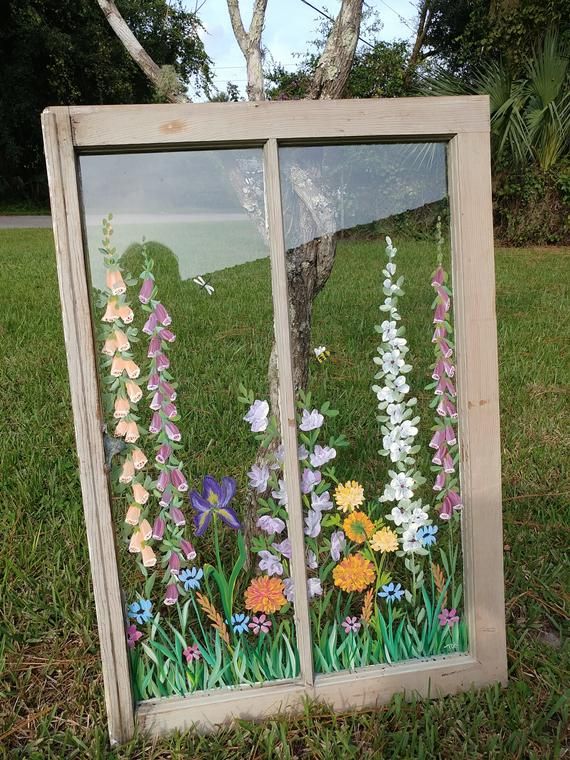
289	26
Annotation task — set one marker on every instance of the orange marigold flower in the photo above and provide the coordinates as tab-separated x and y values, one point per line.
265	594
349	495
358	527
354	573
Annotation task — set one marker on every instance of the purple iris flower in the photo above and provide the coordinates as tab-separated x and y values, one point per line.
214	500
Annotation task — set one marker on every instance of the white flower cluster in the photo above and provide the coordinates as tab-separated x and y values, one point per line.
399	426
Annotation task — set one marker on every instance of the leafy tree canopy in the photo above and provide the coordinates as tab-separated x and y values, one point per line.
64	52
463	34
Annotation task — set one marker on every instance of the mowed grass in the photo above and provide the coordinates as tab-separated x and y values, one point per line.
51	695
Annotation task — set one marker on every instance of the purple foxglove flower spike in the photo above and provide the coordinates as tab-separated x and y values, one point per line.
171	596
158	529
446	510
162	315
170	410
187	549
177	517
444	297
172	431
438	277
153	382
166	498
450	409
150	325
439	484
162	362
155	423
153	347
439	333
163	480
156	402
440	387
178	480
455	500
167	335
437	439
439	315
442	407
167	390
438	370
445	349
146	290
174	564
439	455
163	454
450	436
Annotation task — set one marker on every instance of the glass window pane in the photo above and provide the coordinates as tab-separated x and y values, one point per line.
371	303
183	319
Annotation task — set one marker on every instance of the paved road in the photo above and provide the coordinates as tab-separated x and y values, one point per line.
15	222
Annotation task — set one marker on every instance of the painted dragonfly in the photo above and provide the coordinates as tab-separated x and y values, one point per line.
204	284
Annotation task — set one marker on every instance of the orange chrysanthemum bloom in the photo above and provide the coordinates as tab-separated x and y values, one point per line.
358	527
265	594
349	495
354	573
384	540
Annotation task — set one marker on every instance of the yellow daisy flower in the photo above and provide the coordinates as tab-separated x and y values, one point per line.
358	527
349	495
384	540
354	573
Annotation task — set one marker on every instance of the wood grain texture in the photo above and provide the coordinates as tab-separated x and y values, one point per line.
253	123
478	398
287	407
366	688
82	368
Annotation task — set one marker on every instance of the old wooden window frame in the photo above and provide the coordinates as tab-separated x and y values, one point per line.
463	123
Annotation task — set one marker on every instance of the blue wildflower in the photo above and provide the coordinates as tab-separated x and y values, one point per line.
141	611
392	592
239	622
191	578
426	535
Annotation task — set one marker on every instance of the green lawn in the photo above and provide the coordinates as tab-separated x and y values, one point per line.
50	682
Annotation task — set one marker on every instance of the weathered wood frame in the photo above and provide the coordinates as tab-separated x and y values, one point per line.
463	123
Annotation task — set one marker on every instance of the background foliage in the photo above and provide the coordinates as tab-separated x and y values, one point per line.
58	52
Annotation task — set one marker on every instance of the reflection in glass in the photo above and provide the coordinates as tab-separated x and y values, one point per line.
371	305
183	320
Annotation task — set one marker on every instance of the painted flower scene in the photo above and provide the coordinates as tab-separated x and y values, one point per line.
210	597
196	464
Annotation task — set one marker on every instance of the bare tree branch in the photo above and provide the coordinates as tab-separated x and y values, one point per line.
250	45
424	22
334	65
237	25
161	78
